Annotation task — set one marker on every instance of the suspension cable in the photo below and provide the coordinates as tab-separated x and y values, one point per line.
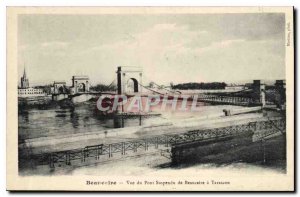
112	83
161	86
150	89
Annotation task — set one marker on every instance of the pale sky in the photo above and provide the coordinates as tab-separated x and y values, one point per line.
169	48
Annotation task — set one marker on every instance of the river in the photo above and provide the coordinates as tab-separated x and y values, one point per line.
34	123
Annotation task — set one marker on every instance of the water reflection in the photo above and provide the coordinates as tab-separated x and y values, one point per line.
24	116
84	118
74	118
118	122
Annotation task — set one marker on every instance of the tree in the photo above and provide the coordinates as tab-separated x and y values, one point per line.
205	86
151	84
171	85
103	88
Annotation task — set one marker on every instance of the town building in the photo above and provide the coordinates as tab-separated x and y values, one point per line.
26	91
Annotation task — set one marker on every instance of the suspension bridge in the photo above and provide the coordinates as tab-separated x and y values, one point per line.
256	95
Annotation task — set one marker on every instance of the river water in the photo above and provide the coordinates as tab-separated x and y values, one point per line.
34	123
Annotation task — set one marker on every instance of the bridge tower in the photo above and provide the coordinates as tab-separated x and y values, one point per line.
59	91
59	87
281	88
259	92
80	84
129	79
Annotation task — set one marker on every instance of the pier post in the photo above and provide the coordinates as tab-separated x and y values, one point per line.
140	119
51	162
146	145
68	158
123	148
83	155
97	153
166	141
110	151
135	147
263	148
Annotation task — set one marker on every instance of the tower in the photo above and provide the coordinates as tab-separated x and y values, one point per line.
80	84
129	75
259	92
24	81
280	87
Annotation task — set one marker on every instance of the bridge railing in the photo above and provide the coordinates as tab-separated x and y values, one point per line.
169	140
271	97
226	99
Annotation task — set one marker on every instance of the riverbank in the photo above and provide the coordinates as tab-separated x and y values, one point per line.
42	103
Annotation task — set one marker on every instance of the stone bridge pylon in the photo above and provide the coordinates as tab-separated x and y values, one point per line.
129	79
80	84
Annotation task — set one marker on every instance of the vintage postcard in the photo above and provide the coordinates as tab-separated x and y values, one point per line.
150	98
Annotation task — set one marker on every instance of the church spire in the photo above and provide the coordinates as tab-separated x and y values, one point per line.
24	74
24	80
